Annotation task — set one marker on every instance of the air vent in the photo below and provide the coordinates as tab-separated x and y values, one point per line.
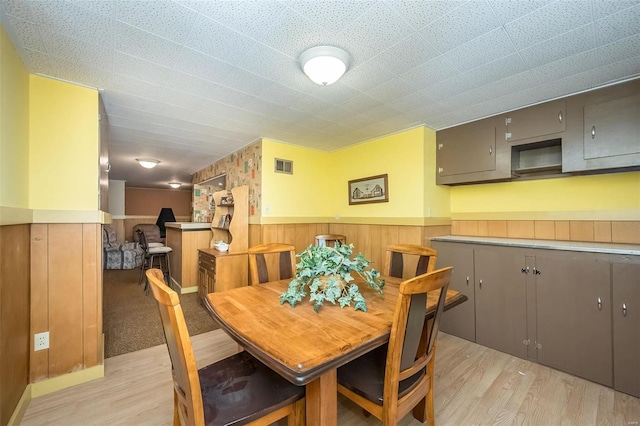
283	166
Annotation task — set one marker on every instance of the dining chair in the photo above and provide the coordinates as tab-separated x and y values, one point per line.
272	262
151	253
401	258
397	377
329	239
237	390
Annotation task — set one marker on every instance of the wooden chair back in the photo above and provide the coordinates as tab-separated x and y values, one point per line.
272	262
410	355
329	239
186	383
409	260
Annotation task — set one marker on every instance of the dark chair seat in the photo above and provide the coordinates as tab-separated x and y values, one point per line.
240	389
371	384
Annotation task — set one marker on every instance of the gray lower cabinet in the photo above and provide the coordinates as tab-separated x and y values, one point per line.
501	301
626	327
573	314
460	321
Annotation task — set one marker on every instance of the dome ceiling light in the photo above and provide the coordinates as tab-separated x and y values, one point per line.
148	163
175	185
324	65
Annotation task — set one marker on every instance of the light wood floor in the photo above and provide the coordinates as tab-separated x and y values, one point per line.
474	385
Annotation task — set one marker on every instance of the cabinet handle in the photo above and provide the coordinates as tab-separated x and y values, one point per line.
624	309
480	284
525	270
467	281
536	271
560	117
599	304
440	170
490	150
593	132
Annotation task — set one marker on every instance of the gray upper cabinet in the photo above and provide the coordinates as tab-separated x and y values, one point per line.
604	130
469	153
626	327
536	122
612	128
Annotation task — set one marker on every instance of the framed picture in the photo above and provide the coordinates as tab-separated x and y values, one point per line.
372	189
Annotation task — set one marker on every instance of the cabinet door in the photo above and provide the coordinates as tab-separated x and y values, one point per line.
466	149
461	320
501	300
574	315
626	328
612	128
536	121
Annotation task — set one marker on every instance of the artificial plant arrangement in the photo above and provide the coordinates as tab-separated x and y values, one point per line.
327	273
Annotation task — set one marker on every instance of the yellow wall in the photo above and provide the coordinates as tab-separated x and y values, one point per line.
308	193
64	155
14	127
614	196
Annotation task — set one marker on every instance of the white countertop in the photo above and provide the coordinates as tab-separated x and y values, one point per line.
592	247
188	225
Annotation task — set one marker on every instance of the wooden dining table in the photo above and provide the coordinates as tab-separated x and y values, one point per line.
307	347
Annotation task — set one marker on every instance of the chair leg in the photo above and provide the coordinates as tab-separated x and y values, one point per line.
297	417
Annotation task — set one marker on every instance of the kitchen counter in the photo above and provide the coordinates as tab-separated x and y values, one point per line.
591	247
188	226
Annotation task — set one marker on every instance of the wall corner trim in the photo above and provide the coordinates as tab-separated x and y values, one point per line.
21	408
54	384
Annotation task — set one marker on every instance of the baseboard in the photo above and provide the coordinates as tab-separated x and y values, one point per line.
21	408
54	384
183	290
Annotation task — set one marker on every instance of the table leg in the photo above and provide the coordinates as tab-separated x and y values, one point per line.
322	400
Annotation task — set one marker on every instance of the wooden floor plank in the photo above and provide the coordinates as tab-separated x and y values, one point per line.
473	385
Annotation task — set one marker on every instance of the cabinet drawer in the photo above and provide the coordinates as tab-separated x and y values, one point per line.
207	262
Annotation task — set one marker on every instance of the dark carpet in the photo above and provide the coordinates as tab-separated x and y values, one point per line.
131	320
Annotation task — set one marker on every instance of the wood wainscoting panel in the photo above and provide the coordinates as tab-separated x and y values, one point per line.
581	230
39	298
520	229
496	228
65	298
14	317
544	230
92	294
602	231
563	230
625	232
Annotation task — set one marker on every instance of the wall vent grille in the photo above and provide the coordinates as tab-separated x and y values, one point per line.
283	166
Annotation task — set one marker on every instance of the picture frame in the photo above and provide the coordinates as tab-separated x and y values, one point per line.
372	189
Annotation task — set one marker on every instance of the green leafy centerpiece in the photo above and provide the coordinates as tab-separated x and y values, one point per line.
326	271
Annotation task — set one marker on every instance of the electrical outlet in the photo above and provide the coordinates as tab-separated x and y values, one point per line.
41	341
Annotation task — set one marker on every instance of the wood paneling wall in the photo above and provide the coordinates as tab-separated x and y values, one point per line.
14	317
149	201
370	240
624	232
66	297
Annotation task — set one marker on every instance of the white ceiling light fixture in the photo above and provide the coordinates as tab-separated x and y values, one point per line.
175	185
148	163
324	65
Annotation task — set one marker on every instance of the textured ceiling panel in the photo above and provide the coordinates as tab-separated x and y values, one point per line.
190	81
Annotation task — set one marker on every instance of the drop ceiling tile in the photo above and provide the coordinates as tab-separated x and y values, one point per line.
295	34
270	64
511	84
565	67
331	15
366	76
605	8
335	94
619	25
407	54
620	70
496	70
619	50
279	94
391	90
253	18
461	25
202	66
412	101
166	19
27	33
356	121
452	86
549	21
572	84
309	104
376	30
361	103
72	21
382	112
487	48
566	44
430	73
509	10
421	13
78	52
214	39
17	9
102	7
144	45
245	81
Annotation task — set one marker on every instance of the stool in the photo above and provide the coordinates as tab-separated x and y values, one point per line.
153	252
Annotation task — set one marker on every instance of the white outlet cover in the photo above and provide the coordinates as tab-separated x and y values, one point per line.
41	341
